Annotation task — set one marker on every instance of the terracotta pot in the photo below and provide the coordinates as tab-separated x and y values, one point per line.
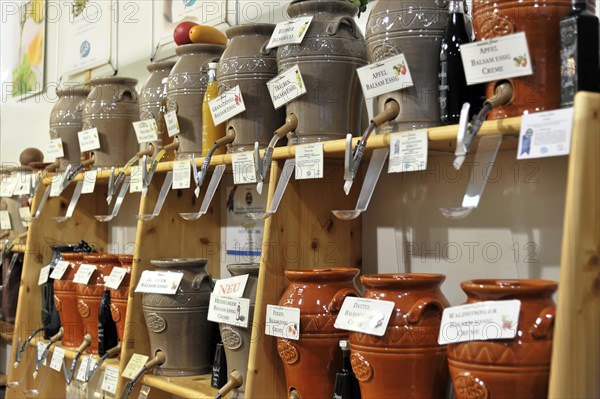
185	91
248	64
12	267
517	368
50	316
111	107
311	362
410	341
118	297
90	295
66	120
415	29
168	316
334	43
236	340
65	299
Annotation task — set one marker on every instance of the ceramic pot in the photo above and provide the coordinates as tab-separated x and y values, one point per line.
111	107
50	316
236	340
118	297
328	56
415	29
90	295
410	341
167	316
311	362
517	368
65	299
66	120
12	266
185	91
248	64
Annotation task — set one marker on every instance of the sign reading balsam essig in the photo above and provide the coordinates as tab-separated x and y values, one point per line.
385	76
146	130
283	322
369	316
232	311
88	140
291	31
154	282
54	149
227	105
286	87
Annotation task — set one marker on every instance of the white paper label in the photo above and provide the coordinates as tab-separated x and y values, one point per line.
59	269
87	363
136	184
172	123
546	134
88	140
55	149
369	316
44	274
134	366
57	183
309	161
408	151
385	76
283	322
25	215
23	184
502	57
227	105
291	31
41	347
244	169
232	311
146	130
116	277
89	181
181	174
84	273
9	185
5	221
480	322
57	358
109	380
286	87
154	282
232	287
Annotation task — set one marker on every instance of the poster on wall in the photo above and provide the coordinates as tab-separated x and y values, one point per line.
23	45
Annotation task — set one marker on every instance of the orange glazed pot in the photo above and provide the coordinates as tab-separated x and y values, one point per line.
90	295
65	299
118	297
407	361
311	362
517	368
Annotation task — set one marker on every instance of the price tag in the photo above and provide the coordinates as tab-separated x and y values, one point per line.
154	282
87	363
57	358
41	347
109	380
227	105
25	215
232	311
135	365
291	31
146	131
546	134
116	277
385	76
5	221
244	168
137	184
9	185
59	269
502	57
23	184
55	149
480	321
309	161
369	316
286	86
232	287
84	273
181	174
89	181
408	151
44	274
88	140
283	322
172	123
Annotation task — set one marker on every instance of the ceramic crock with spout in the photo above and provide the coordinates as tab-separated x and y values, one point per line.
311	362
247	63
407	361
90	295
328	56
517	368
168	315
12	268
118	297
65	299
415	29
185	91
66	120
111	107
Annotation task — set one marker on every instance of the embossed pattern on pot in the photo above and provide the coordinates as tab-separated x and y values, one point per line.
118	297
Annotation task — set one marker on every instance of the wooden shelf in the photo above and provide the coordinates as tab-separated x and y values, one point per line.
193	387
70	354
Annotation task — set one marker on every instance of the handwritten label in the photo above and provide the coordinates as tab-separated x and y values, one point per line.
9	185
116	277
89	181
232	311
88	140
25	215
154	282
136	184
286	87
369	316
135	365
408	151
41	348
109	380
57	358
546	134
291	31
146	130
84	273
232	287
244	168
309	161
23	184
59	269
385	76
181	174
44	274
283	322
172	123
54	149
227	105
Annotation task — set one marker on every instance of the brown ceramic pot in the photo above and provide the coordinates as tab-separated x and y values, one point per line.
90	295
407	361
65	299
248	64
66	120
185	92
311	362
328	56
111	107
118	297
517	368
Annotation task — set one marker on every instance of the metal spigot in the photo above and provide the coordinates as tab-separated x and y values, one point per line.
223	141
112	352
69	374
147	174
159	359
21	351
235	381
114	185
56	337
294	394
